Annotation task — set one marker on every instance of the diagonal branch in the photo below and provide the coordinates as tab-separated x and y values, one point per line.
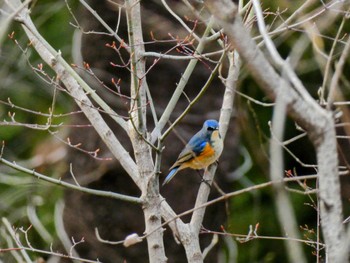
71	186
180	87
305	111
226	110
67	75
142	150
24	18
63	70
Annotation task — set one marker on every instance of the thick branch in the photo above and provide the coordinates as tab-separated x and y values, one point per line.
143	154
303	109
62	69
284	206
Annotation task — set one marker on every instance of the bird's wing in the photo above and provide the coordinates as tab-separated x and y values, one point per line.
192	149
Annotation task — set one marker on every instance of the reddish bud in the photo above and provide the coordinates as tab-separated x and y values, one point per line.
86	65
11	35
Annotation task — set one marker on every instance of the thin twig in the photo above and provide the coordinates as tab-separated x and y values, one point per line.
24	249
180	87
58	59
195	100
236	193
328	64
14	237
104	24
338	71
113	195
252	237
191	31
212	244
174	57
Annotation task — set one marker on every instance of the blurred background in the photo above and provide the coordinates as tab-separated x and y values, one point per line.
29	93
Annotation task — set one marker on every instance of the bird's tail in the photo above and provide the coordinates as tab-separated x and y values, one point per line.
170	175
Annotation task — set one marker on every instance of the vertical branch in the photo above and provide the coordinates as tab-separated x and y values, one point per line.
327	70
229	95
338	71
74	85
143	155
138	78
284	207
303	109
226	110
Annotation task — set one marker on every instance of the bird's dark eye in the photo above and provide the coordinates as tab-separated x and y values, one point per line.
211	129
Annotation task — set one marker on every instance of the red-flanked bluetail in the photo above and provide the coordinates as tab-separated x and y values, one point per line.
202	150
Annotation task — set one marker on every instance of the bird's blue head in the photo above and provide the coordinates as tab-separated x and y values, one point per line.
211	125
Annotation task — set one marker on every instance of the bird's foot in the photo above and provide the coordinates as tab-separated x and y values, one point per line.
207	182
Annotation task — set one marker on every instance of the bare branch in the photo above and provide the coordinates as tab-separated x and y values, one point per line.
14	237
24	249
71	186
180	87
225	116
315	120
284	207
149	182
74	84
106	26
195	100
338	71
191	31
171	217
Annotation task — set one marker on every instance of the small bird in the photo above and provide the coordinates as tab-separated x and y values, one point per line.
202	150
